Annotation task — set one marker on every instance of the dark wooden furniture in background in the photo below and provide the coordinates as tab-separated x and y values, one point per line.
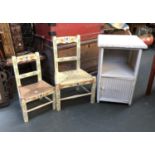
7	42
27	35
4	84
88	33
3	93
17	39
12	38
151	78
1	47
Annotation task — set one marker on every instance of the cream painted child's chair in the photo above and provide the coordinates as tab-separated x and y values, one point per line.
34	91
71	78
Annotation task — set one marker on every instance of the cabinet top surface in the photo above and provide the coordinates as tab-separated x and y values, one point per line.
121	41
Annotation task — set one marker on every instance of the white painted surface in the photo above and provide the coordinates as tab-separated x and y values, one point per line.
117	73
117	70
121	41
116	89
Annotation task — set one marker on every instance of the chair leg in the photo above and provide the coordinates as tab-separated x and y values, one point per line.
54	101
93	91
24	111
58	101
77	88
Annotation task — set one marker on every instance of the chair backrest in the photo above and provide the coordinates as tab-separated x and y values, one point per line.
66	40
29	58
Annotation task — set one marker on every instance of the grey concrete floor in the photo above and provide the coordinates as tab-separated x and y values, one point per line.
79	115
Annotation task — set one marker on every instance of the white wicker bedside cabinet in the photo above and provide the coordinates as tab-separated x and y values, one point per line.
119	60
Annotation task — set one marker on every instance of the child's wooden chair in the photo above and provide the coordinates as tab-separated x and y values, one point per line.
71	78
34	91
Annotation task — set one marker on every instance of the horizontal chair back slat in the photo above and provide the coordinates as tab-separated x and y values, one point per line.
63	59
66	40
25	58
29	74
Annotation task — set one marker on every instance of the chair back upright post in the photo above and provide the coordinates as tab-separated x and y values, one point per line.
24	58
65	40
16	71
38	66
78	49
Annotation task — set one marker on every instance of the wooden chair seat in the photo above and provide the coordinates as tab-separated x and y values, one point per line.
73	77
34	91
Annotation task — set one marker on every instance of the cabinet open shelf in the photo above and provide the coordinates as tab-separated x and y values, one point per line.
118	70
116	63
